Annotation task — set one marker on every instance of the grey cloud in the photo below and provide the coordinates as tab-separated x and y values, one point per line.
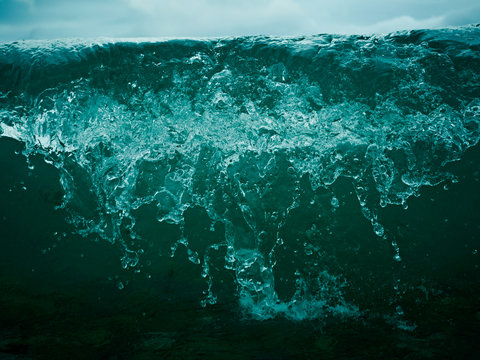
21	19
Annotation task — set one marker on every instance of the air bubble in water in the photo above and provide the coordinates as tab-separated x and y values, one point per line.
193	257
378	229
334	202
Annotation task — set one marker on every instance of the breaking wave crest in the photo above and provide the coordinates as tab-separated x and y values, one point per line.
268	139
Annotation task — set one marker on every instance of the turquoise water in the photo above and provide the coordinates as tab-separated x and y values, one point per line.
256	197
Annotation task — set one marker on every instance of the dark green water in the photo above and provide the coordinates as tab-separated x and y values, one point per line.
250	198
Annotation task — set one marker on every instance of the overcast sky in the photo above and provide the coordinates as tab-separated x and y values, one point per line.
46	19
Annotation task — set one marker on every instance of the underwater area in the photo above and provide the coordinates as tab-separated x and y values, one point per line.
248	198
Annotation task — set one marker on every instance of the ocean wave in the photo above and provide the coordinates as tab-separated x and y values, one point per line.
258	132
